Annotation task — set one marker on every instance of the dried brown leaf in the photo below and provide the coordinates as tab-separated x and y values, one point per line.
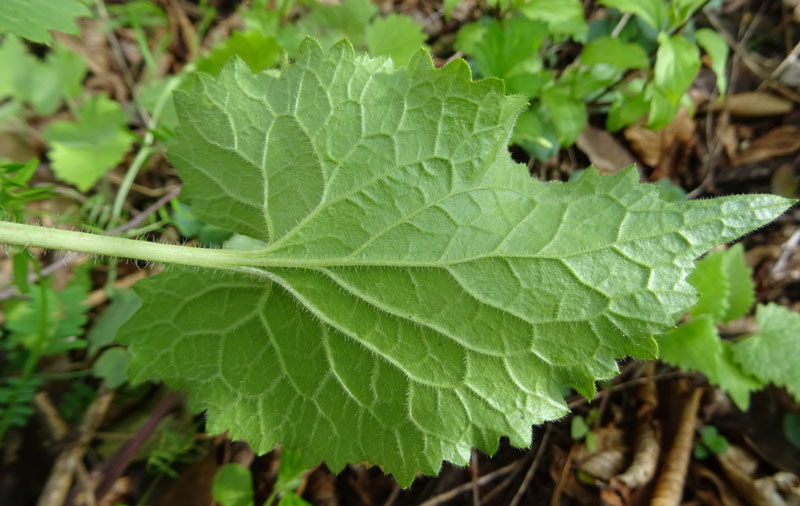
603	150
654	146
753	104
779	141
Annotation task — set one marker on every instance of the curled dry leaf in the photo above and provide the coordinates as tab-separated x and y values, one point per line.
603	150
781	489
753	104
657	147
710	488
609	457
645	457
779	141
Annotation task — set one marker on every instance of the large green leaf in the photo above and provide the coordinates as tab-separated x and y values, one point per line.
419	293
33	19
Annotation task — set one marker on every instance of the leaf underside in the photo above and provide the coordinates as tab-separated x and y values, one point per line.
431	296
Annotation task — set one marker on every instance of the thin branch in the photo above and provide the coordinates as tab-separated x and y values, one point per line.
483	480
526	481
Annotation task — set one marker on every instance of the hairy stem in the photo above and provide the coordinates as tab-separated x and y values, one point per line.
52	238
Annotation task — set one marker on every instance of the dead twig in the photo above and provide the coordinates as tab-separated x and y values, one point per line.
669	487
526	481
116	465
55	422
483	480
748	59
626	385
775	74
58	484
475	474
555	499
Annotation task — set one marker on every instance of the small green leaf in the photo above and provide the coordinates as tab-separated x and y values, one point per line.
563	17
770	354
586	83
233	486
110	367
124	303
677	63
700	452
713	440
535	133
258	50
468	37
329	22
578	428
723	282
66	316
14	55
568	113
696	346
629	106
58	77
81	152
510	51
652	12
662	110
712	286
21	263
615	52
190	227
291	471
717	49
791	429
396	36
740	281
292	499
670	191
680	10
449	7
149	96
33	19
41	83
591	442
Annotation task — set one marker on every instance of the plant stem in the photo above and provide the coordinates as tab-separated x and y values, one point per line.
53	238
147	144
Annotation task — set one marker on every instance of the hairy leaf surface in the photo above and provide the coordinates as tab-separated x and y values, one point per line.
419	293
